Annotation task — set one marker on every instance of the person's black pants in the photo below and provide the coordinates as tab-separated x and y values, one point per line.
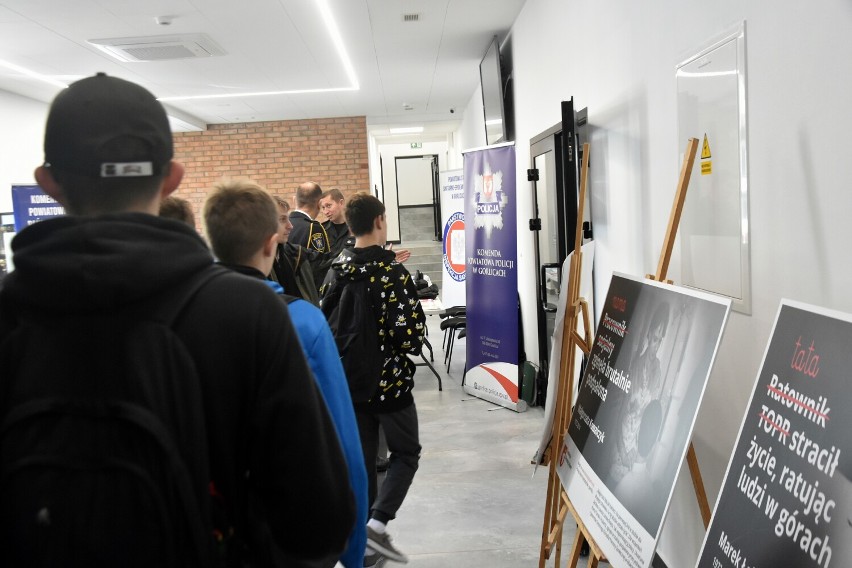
403	440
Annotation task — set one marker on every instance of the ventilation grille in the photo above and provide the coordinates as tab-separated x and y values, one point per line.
411	17
159	48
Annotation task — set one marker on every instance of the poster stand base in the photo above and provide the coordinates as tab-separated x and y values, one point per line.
582	536
519	406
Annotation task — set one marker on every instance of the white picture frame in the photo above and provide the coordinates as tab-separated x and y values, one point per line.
714	227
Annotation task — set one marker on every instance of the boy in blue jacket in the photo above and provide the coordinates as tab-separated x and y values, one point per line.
241	221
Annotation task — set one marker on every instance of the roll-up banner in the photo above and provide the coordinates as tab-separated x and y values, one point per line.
30	204
452	221
491	244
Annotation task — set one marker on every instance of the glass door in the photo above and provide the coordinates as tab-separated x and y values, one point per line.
555	156
547	224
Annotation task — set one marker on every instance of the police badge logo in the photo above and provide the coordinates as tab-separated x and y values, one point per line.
489	200
316	240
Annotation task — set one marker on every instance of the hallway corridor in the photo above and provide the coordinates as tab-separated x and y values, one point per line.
474	502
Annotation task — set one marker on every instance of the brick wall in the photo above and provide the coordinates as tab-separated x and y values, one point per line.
277	155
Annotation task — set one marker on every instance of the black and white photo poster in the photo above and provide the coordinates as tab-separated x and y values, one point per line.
787	495
635	411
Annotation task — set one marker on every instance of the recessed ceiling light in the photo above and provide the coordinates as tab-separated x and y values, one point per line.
337	40
407	130
256	94
334	31
33	74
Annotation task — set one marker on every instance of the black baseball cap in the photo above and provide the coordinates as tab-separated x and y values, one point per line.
106	127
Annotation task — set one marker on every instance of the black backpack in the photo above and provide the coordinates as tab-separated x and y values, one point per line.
352	320
103	446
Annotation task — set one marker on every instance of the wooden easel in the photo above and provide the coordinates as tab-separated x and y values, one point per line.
660	276
558	505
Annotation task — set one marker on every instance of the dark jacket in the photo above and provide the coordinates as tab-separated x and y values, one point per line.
271	440
339	237
308	233
402	324
294	270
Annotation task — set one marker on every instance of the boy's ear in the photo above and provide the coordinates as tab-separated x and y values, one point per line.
270	244
45	180
172	180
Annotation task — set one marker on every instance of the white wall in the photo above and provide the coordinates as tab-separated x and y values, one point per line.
471	133
618	59
21	135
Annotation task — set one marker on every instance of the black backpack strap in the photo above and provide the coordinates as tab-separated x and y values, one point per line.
167	310
288	299
168	307
332	295
298	259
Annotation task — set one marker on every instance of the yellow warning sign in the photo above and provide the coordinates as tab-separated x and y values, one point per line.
706	168
705	148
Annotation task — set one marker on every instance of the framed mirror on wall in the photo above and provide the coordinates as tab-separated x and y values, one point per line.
714	227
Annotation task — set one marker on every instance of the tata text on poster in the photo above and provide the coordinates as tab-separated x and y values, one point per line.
491	275
787	495
635	411
452	221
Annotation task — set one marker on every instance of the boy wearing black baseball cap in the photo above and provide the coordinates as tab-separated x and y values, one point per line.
108	160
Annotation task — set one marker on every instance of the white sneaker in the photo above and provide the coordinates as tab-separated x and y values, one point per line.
381	543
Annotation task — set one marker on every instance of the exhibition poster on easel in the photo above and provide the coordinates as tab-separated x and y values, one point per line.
787	495
630	430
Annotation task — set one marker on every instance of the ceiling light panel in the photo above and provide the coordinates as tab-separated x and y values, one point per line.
159	48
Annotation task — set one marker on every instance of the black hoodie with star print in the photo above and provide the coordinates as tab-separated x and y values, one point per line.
401	321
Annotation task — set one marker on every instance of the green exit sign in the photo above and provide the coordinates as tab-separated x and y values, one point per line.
416	145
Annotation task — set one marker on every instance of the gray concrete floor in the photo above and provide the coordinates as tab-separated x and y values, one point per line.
474	501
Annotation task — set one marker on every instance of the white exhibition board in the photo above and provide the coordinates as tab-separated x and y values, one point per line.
787	495
636	409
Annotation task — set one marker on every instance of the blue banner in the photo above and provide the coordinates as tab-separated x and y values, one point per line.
491	246
30	205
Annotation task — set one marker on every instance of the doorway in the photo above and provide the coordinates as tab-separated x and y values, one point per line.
418	197
555	156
